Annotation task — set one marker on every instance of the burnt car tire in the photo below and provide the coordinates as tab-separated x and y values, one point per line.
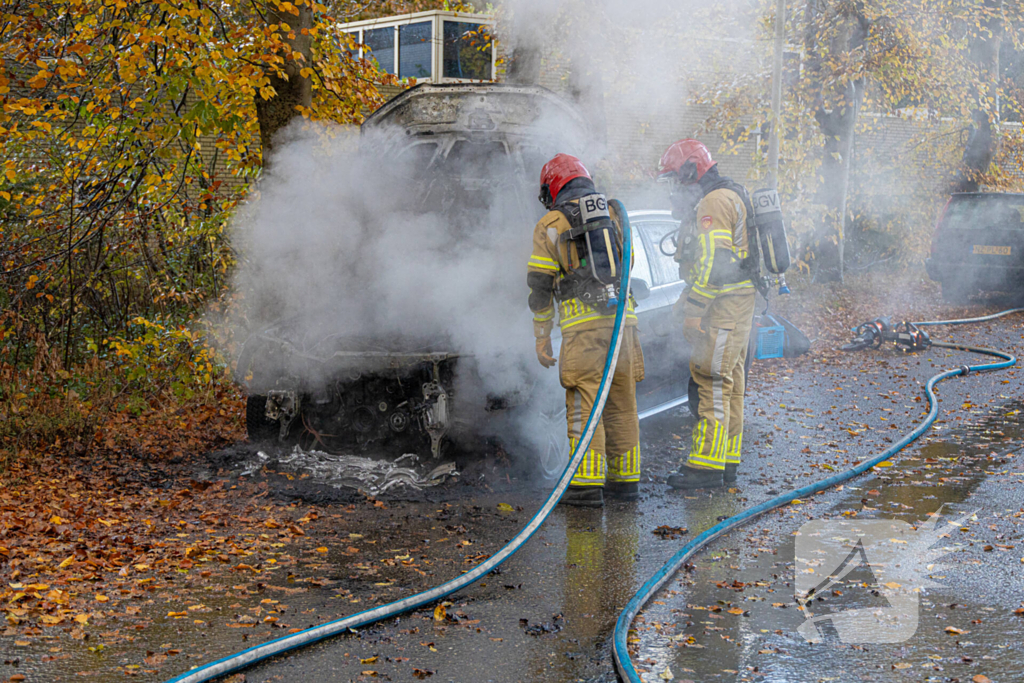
257	425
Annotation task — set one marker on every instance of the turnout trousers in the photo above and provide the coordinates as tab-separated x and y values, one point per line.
614	452
716	365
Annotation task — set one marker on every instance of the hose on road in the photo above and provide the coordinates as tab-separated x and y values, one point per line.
620	646
308	636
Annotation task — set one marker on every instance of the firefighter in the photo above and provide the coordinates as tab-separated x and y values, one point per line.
716	308
561	273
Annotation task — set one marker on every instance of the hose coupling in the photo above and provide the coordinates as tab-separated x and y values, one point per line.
965	370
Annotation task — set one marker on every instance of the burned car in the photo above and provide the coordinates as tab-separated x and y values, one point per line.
467	159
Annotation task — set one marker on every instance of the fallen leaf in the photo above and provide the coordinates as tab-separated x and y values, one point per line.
439	613
368	660
981	678
954	630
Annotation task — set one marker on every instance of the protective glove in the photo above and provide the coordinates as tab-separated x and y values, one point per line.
692	330
544	352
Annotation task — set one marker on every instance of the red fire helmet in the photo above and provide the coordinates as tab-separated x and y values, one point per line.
559	171
688	160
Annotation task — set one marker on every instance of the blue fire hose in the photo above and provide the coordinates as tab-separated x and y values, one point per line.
309	636
620	647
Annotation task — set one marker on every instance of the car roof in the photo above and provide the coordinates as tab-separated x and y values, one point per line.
648	213
482	108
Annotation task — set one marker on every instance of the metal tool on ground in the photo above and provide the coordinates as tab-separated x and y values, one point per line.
881	330
309	636
620	647
371	475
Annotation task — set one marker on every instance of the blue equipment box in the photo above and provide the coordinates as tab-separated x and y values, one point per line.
770	341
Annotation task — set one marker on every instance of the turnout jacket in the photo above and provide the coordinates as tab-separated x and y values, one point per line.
552	258
721	232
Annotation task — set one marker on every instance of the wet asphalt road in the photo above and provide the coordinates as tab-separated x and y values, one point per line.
549	614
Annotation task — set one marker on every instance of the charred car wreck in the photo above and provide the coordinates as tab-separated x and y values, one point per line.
472	146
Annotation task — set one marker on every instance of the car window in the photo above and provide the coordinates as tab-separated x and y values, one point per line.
417	157
478	160
664	269
980	212
641	266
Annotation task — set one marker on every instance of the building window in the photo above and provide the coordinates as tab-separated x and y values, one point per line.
414	50
381	42
467	51
433	46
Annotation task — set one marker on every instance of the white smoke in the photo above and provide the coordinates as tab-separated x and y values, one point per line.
331	242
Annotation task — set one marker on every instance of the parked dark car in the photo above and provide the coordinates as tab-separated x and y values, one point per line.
393	396
978	245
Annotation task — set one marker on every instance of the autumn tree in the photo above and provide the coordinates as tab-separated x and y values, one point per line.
983	49
123	126
835	42
930	59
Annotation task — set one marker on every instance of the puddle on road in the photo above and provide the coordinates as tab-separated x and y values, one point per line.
736	617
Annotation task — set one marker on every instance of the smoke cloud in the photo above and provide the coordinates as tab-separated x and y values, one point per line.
377	250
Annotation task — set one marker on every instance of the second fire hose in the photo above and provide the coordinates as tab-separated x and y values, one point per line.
246	658
620	644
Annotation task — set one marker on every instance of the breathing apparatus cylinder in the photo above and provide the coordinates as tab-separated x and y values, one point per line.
593	233
772	231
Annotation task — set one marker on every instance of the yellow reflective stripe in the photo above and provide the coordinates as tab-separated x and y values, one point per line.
711	464
542	263
544	316
732	449
706	261
565	324
625	467
708	293
735	286
591	471
573	312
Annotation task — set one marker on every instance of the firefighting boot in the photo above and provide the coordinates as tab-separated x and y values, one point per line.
694	478
623	490
583	496
729	476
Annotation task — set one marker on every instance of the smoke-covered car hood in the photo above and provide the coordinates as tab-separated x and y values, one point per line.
484	110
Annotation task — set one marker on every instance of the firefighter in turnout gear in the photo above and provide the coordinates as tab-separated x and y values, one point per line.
716	308
574	266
